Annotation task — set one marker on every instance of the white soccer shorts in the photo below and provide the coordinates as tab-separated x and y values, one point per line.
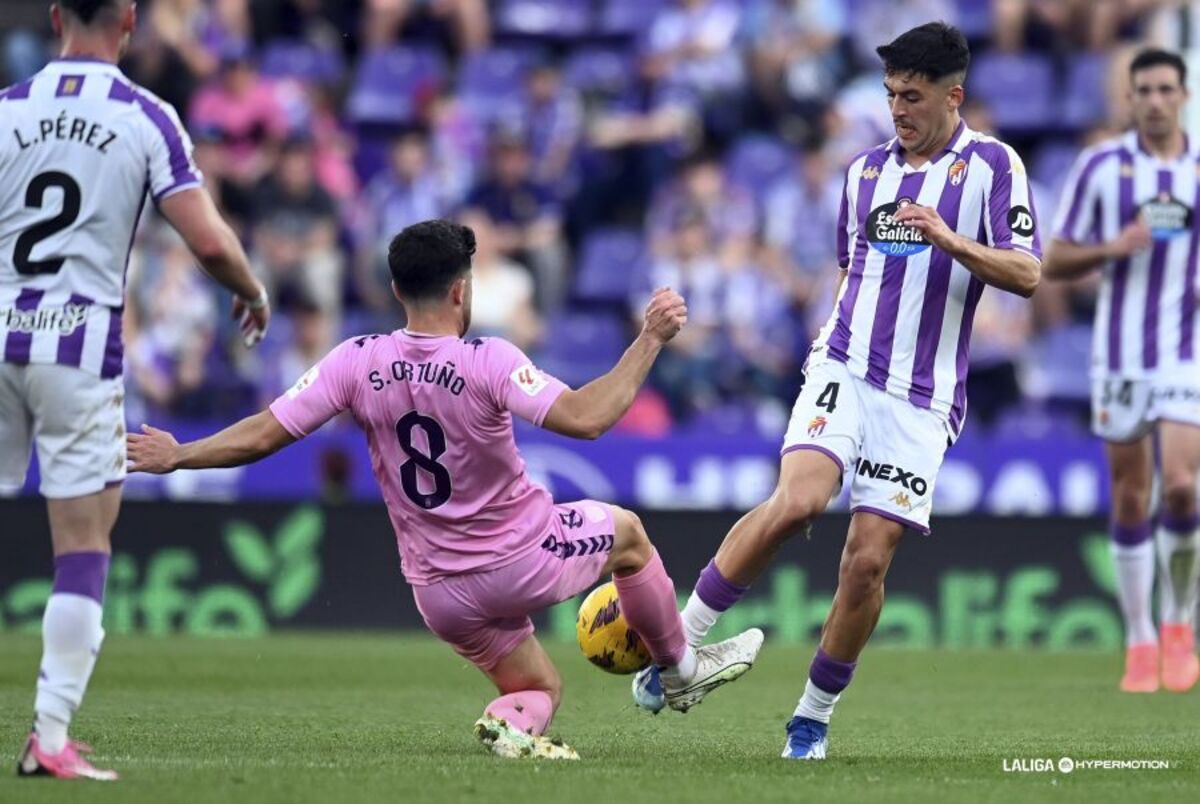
1126	409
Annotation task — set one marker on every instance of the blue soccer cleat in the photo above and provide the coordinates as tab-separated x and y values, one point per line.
648	690
806	739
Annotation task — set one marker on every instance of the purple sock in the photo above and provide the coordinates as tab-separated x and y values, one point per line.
829	674
1130	535
81	574
716	592
1178	525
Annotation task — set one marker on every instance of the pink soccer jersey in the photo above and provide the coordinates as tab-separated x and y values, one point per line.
437	413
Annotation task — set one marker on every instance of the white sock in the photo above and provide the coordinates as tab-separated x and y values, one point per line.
682	673
1135	590
816	704
1179	559
71	637
698	619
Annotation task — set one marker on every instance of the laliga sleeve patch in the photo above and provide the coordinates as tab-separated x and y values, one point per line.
1020	220
529	379
304	382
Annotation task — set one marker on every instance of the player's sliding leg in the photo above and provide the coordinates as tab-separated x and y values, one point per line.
852	618
71	633
1179	552
513	725
648	602
807	480
1131	466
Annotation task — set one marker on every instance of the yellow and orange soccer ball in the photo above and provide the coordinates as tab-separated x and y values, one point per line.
604	636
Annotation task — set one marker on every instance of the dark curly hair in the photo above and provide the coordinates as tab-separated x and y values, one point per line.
428	257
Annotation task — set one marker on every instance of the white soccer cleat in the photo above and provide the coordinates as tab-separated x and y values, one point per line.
509	742
716	665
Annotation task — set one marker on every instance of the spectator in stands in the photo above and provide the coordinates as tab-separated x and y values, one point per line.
458	143
234	201
463	25
244	108
173	324
198	31
313	332
764	337
692	45
527	215
702	187
406	193
552	116
688	369
795	58
502	291
296	227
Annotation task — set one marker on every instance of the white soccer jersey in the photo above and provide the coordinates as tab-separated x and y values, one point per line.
903	318
1146	314
80	146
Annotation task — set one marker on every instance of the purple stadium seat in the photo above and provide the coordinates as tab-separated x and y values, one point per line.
604	70
1019	88
628	17
757	162
1050	165
610	265
582	346
388	80
290	58
974	17
1084	92
552	19
491	82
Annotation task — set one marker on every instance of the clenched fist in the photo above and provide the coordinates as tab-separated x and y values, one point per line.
665	315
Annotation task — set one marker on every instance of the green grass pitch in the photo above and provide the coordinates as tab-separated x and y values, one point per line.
349	718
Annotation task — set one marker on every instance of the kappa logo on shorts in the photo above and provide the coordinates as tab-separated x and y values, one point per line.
902	500
571	519
887	471
569	548
817	426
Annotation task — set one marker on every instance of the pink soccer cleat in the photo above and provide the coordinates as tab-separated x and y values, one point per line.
1141	668
66	764
1180	667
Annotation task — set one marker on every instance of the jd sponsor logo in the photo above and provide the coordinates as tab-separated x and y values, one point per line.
1020	220
891	238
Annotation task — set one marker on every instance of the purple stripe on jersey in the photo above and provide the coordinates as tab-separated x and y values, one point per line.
181	171
1187	316
18	91
1079	191
937	286
70	347
18	344
69	86
113	347
958	410
883	333
1154	286
839	339
1120	272
843	237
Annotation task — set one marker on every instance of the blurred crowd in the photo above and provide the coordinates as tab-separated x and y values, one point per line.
600	148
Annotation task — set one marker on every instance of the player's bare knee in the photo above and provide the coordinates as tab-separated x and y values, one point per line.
791	512
1131	505
1179	494
632	549
861	574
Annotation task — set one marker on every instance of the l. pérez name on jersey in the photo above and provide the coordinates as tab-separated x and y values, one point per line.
66	129
891	238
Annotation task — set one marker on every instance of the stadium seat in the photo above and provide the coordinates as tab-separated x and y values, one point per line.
1020	90
1085	93
757	162
550	19
597	69
628	17
1050	165
974	18
582	346
291	58
491	82
610	265
388	81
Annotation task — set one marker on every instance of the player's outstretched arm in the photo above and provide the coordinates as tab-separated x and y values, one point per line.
1067	260
195	216
592	410
252	439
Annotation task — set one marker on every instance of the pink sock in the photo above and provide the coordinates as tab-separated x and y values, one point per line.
648	602
528	710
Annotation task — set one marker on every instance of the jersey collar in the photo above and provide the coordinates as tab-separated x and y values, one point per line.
77	63
958	142
1133	142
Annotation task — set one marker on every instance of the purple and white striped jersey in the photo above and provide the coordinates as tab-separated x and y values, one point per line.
902	320
80	145
1146	312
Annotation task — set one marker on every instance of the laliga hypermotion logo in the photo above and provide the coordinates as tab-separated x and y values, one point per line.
817	426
